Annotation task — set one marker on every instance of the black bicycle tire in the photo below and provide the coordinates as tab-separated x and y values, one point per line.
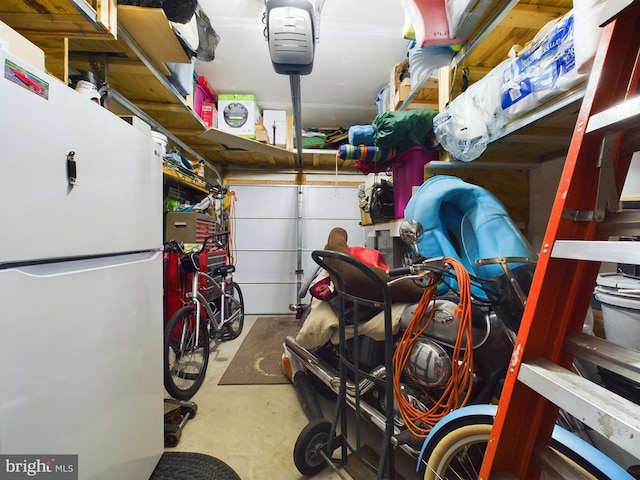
169	384
230	333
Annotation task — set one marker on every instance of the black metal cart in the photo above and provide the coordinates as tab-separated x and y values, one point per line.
321	438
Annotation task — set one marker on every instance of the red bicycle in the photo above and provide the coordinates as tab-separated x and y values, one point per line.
213	310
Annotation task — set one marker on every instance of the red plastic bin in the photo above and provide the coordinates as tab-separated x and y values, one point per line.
202	93
408	172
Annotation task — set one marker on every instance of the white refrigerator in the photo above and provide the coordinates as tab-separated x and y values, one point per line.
80	280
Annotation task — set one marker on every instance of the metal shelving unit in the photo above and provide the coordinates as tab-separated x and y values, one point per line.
584	215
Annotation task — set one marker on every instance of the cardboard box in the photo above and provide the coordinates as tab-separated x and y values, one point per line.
277	118
238	114
209	114
17	45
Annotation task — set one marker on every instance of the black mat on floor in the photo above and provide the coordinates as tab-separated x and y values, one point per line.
192	466
259	358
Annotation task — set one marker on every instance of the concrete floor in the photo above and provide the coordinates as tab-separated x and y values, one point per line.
253	428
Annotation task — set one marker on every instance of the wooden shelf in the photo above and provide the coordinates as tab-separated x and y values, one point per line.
540	134
59	18
190	181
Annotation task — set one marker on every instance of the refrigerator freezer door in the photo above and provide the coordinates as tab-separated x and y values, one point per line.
81	363
115	204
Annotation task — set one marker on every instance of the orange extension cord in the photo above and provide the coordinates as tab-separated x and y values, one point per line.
458	389
231	246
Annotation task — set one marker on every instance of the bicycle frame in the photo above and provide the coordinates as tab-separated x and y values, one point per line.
206	306
199	299
196	296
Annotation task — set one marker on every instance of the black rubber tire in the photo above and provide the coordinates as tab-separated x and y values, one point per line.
172	439
185	386
234	306
311	441
192	466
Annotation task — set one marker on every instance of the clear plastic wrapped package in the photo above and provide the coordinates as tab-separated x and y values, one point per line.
542	71
467	124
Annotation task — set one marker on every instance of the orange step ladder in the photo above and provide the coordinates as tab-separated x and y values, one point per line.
584	217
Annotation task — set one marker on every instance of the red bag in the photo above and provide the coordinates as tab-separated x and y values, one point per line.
369	256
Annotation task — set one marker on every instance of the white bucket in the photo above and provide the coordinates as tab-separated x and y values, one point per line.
161	142
88	89
619	296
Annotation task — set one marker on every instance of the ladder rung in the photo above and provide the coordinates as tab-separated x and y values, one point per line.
604	251
619	117
621	360
624	222
607	413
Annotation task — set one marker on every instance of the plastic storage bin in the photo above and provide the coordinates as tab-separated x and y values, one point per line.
161	141
619	296
202	93
408	172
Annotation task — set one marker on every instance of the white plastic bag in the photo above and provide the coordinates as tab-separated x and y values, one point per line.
461	128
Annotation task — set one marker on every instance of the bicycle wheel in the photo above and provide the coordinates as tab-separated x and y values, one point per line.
459	454
234	311
186	354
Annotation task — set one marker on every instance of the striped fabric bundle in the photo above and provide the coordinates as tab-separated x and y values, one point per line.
366	153
368	159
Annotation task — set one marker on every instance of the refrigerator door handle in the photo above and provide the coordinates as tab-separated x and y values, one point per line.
72	170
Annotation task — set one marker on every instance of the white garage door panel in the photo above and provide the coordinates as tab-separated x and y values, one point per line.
329	202
268	299
266	201
266	234
266	238
273	266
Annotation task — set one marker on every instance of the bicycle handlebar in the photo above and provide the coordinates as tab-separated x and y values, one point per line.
215	238
176	246
422	267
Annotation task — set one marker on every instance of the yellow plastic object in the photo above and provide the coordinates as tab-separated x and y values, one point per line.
408	31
